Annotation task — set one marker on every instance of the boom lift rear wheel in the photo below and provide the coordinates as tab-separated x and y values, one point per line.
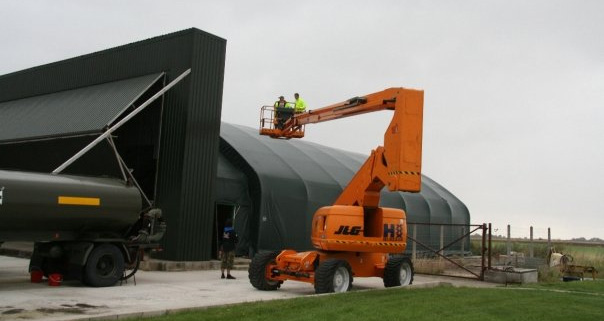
333	275
257	271
398	271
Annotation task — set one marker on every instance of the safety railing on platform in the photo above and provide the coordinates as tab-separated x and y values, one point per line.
273	120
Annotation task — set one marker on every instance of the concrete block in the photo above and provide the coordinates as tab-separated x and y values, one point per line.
511	275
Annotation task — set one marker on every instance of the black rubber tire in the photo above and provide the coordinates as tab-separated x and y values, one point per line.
398	271
104	267
333	271
257	271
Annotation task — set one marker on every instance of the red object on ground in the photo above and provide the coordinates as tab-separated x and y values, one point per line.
55	279
36	276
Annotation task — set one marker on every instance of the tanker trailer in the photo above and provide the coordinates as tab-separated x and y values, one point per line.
87	228
93	229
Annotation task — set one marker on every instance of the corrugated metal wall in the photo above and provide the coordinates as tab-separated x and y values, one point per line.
200	150
191	121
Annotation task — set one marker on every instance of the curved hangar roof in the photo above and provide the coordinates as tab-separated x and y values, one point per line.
290	179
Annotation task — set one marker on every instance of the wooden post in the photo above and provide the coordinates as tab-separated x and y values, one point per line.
463	241
509	241
531	253
442	240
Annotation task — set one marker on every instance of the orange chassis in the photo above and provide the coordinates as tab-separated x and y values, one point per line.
349	233
301	266
351	242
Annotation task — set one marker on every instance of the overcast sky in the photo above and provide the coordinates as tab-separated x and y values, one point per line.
514	90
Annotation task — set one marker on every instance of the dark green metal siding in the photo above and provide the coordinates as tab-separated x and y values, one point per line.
190	125
202	126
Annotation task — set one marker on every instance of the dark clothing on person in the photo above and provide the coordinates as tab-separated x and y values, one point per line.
229	239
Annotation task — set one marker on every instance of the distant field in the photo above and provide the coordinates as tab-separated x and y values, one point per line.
590	251
587	255
557	301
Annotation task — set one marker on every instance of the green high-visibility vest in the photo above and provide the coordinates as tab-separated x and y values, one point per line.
286	105
300	105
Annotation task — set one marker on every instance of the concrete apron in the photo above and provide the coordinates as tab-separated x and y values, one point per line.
152	293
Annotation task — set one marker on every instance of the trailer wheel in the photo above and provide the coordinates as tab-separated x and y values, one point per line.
333	275
257	271
398	271
104	267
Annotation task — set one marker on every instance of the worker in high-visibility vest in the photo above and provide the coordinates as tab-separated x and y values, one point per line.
300	104
281	102
283	111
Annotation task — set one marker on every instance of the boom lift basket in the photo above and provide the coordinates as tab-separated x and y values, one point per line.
273	120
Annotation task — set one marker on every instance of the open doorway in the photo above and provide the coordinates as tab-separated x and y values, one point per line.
223	212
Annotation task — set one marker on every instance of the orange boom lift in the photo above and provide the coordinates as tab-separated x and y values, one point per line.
354	237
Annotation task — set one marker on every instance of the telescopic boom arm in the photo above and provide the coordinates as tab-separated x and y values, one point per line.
396	165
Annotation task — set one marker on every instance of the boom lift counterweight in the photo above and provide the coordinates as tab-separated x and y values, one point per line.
354	236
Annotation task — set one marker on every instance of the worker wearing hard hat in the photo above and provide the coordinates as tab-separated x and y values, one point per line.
300	104
283	111
281	102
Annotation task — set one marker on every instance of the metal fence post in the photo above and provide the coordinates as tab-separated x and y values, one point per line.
483	251
489	248
414	249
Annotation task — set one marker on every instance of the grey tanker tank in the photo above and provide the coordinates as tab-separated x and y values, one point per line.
41	207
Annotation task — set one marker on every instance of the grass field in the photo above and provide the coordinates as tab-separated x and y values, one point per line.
544	301
556	301
592	255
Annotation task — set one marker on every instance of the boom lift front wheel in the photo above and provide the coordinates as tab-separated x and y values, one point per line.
257	271
333	275
398	271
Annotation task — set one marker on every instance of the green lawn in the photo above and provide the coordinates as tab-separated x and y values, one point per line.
588	287
558	301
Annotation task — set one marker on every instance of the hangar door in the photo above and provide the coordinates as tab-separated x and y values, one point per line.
232	201
40	133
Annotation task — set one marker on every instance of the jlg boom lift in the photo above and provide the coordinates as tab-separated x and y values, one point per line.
354	237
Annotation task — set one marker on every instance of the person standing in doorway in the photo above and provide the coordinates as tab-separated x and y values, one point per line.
227	249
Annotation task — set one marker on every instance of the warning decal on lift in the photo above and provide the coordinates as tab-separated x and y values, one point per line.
87	201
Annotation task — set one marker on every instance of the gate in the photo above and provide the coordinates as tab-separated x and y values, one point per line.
452	254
